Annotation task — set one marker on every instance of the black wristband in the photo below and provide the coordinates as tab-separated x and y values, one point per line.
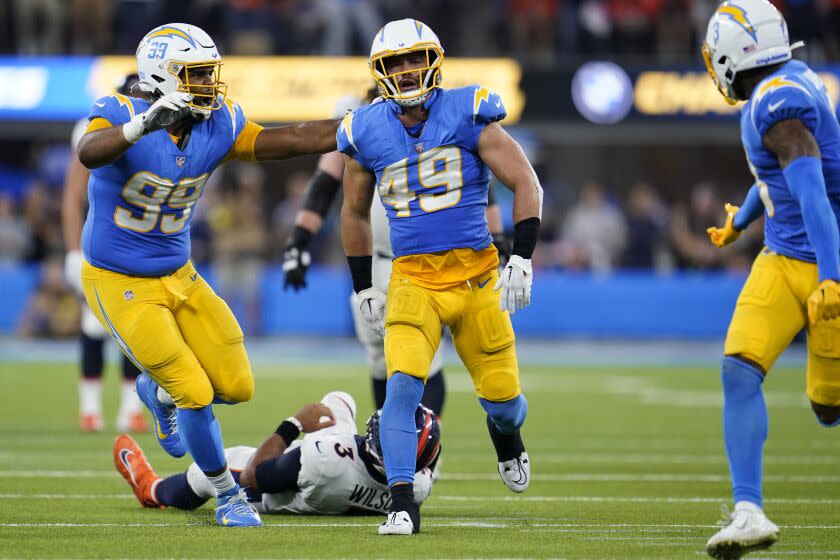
525	235
288	431
321	192
300	238
360	270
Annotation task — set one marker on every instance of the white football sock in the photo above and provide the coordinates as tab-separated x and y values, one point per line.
222	483
164	397
90	396
129	401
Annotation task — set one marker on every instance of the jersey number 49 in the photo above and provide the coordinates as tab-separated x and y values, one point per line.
435	168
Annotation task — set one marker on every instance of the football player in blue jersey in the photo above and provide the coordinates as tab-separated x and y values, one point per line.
428	152
792	141
150	159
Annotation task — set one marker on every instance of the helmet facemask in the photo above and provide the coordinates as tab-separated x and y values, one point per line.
726	90
429	74
206	97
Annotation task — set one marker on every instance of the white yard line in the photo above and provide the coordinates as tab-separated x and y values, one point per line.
628	499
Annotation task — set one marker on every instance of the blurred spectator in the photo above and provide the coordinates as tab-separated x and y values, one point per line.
40	26
647	222
594	232
14	235
53	308
90	26
40	210
347	22
688	229
240	245
533	27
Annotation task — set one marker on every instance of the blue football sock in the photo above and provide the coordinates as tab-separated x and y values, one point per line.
398	433
175	491
744	427
203	437
508	416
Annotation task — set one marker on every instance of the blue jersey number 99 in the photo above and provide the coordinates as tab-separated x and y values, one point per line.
148	191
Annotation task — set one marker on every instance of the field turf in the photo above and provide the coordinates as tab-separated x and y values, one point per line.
627	462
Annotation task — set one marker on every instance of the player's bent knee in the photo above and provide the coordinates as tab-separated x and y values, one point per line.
828	416
240	388
507	415
740	376
195	397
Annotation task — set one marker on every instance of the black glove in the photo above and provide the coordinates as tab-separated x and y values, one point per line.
504	247
296	259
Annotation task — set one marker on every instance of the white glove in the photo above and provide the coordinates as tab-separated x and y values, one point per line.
73	270
164	112
372	307
515	283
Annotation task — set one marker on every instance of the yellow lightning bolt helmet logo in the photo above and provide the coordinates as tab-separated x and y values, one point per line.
171	32
739	16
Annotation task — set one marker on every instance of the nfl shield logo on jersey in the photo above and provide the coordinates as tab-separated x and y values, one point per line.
129	295
180	161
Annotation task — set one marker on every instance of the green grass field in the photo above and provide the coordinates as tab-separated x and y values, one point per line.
627	463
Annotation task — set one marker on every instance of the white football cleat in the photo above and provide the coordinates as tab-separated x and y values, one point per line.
516	473
744	530
398	523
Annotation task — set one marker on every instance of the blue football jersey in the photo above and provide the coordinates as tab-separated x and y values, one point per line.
792	92
138	221
433	186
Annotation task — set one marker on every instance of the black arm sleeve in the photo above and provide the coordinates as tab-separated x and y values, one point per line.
279	474
321	192
491	195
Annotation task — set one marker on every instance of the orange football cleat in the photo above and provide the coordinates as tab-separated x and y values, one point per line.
91	423
136	470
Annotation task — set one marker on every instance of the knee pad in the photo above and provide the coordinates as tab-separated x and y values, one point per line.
508	416
828	416
240	389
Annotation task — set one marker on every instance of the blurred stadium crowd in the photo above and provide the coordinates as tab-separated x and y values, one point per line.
534	31
243	222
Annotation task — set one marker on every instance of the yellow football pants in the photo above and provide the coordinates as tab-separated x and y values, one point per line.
772	309
482	333
177	330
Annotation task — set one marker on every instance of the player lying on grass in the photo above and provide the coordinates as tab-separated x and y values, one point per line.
792	141
332	470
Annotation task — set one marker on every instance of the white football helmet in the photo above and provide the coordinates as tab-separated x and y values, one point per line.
164	59
402	37
744	34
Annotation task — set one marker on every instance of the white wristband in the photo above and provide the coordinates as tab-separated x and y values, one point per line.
296	422
133	129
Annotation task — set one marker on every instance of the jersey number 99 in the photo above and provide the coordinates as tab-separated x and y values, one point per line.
440	167
151	193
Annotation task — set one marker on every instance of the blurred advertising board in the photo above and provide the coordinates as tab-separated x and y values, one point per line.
270	89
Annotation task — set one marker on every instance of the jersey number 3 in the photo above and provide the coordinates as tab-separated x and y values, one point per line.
151	193
440	167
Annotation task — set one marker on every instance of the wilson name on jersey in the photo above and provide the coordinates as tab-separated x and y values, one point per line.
433	185
141	205
792	92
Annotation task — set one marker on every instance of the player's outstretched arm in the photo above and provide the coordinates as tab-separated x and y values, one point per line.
311	418
799	158
358	242
319	196
508	163
284	142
